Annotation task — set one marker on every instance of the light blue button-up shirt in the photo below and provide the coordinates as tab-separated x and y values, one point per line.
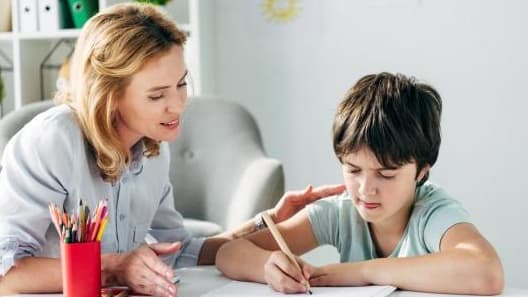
49	161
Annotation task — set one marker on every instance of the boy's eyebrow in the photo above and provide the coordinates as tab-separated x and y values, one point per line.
166	87
378	169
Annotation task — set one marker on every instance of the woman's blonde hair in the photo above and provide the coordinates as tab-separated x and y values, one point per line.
112	47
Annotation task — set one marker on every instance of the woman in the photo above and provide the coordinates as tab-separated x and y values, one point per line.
127	93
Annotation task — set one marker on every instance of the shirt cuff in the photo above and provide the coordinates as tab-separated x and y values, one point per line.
8	251
190	253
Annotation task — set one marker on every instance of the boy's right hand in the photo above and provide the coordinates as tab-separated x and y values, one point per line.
144	272
283	276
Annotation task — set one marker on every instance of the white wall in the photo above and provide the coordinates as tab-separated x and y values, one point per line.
291	76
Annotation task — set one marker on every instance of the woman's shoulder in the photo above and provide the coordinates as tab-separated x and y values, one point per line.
55	128
60	116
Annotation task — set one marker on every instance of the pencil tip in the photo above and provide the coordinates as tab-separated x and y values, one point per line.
310	292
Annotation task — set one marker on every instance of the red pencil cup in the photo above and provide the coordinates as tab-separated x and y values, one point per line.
81	269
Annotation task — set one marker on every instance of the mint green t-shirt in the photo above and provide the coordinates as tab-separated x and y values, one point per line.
335	221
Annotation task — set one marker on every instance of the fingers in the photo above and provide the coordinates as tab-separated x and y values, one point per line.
327	190
282	275
152	261
147	274
162	249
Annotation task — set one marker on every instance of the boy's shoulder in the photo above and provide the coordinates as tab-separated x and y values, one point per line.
432	198
335	206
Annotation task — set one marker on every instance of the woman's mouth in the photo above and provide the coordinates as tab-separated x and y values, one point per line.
172	124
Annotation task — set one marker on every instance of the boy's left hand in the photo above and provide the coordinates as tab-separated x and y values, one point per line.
293	201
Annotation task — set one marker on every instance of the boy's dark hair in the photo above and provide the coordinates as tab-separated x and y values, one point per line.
392	115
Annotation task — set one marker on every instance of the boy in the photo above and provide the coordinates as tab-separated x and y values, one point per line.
390	226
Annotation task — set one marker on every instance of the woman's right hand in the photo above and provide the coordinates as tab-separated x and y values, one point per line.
144	272
283	276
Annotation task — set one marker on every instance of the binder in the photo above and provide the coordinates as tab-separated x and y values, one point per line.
53	15
82	10
27	11
5	16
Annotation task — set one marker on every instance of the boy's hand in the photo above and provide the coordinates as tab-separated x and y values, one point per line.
340	274
144	272
293	201
282	275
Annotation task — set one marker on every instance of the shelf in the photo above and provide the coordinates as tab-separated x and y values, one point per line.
64	33
6	36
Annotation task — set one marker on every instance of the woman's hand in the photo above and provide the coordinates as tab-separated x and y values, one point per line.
283	276
144	272
293	201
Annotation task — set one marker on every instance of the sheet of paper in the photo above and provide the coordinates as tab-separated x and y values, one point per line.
236	288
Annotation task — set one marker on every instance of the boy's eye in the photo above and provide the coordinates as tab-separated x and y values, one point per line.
183	84
354	171
386	176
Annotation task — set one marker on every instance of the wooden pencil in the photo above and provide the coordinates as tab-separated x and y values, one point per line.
282	245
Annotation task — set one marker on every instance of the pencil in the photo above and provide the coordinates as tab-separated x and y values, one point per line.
282	245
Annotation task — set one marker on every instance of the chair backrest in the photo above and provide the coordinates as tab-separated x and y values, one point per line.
14	121
219	170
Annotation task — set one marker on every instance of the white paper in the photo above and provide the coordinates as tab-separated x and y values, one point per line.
236	288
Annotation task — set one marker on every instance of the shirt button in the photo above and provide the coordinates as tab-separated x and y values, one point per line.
122	217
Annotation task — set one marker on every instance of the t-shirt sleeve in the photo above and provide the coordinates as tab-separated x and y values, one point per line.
323	215
438	217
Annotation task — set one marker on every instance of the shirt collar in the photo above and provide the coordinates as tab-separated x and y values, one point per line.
136	165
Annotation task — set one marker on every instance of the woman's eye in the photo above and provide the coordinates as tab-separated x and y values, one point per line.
156	97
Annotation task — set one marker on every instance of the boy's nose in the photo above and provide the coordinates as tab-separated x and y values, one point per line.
367	188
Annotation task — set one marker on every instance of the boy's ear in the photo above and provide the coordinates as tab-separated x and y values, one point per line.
423	172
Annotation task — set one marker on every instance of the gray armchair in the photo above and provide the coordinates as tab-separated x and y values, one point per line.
219	170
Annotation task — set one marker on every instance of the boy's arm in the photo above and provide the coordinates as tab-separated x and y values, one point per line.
466	264
244	258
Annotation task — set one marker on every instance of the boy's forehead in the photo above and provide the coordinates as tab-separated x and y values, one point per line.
365	158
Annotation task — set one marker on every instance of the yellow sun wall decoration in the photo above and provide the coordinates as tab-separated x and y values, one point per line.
281	10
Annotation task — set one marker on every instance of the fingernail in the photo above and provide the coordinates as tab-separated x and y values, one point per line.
172	289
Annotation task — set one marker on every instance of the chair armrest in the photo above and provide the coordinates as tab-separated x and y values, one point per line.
260	187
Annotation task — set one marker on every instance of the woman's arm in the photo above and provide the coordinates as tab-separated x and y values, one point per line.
289	205
141	269
466	264
250	258
44	273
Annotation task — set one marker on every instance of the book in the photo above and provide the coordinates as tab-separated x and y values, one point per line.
82	10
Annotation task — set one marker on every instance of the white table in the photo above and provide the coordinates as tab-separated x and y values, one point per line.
197	281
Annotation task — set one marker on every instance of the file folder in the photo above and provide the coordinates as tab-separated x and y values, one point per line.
5	16
82	10
28	17
53	15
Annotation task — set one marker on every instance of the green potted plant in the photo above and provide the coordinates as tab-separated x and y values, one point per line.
2	91
157	2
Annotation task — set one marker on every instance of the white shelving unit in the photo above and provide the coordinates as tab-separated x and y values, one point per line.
28	50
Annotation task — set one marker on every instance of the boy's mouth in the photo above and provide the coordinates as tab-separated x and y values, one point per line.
368	205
